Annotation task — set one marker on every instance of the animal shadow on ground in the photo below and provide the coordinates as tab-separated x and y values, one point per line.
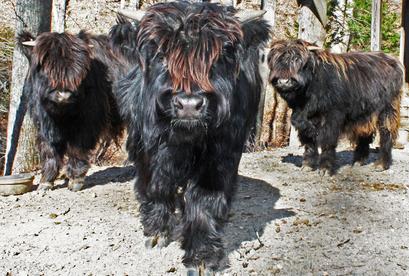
344	158
253	208
112	174
108	175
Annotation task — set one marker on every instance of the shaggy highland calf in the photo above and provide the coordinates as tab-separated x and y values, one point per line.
190	105
69	96
333	94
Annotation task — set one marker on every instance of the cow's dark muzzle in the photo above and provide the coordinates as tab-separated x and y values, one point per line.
189	107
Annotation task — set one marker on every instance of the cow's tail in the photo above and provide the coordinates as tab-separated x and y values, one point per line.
392	120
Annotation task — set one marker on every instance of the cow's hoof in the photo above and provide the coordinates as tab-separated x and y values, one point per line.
76	184
307	168
45	186
380	166
359	162
199	272
157	241
325	172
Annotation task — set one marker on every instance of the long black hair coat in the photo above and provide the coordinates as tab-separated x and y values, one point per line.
193	49
354	93
68	91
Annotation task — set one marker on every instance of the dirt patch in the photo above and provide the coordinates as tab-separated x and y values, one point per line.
284	222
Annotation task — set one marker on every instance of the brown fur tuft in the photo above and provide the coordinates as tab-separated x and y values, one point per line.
192	45
63	58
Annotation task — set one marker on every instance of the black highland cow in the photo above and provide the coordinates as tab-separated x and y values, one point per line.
190	105
68	91
355	94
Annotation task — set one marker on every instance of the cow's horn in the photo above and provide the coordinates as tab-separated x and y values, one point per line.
247	15
30	43
313	48
134	14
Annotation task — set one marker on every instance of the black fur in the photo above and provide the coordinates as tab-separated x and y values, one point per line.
65	65
197	158
333	94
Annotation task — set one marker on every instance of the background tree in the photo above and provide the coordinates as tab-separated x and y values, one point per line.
360	26
58	15
34	16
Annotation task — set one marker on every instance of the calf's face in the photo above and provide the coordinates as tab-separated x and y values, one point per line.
290	65
59	64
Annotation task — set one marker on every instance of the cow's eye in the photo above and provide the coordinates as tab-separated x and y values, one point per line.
228	49
159	55
228	52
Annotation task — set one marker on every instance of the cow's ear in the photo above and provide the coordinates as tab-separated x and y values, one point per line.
256	32
26	42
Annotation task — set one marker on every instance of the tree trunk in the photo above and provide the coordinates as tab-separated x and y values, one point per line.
376	25
273	125
34	16
58	15
340	29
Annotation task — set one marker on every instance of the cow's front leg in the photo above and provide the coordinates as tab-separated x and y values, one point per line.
307	134
77	167
207	205
310	156
328	136
51	159
157	193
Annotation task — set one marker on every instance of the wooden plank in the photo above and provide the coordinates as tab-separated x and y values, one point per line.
321	6
317	7
405	25
58	16
376	25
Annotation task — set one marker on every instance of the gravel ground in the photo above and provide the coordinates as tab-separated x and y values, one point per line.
284	221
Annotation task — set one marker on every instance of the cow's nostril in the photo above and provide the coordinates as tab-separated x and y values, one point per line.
177	103
283	81
199	104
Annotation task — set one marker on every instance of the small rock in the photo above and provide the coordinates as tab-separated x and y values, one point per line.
52	216
357	230
299	221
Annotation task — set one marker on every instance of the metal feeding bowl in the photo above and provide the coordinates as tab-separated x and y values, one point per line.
16	184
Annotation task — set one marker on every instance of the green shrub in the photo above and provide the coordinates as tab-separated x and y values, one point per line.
360	27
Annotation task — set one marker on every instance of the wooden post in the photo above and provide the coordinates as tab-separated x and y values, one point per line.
266	106
134	4
376	25
122	4
405	38
58	15
404	57
310	26
34	16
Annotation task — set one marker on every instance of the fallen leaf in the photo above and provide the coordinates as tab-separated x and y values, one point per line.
53	215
